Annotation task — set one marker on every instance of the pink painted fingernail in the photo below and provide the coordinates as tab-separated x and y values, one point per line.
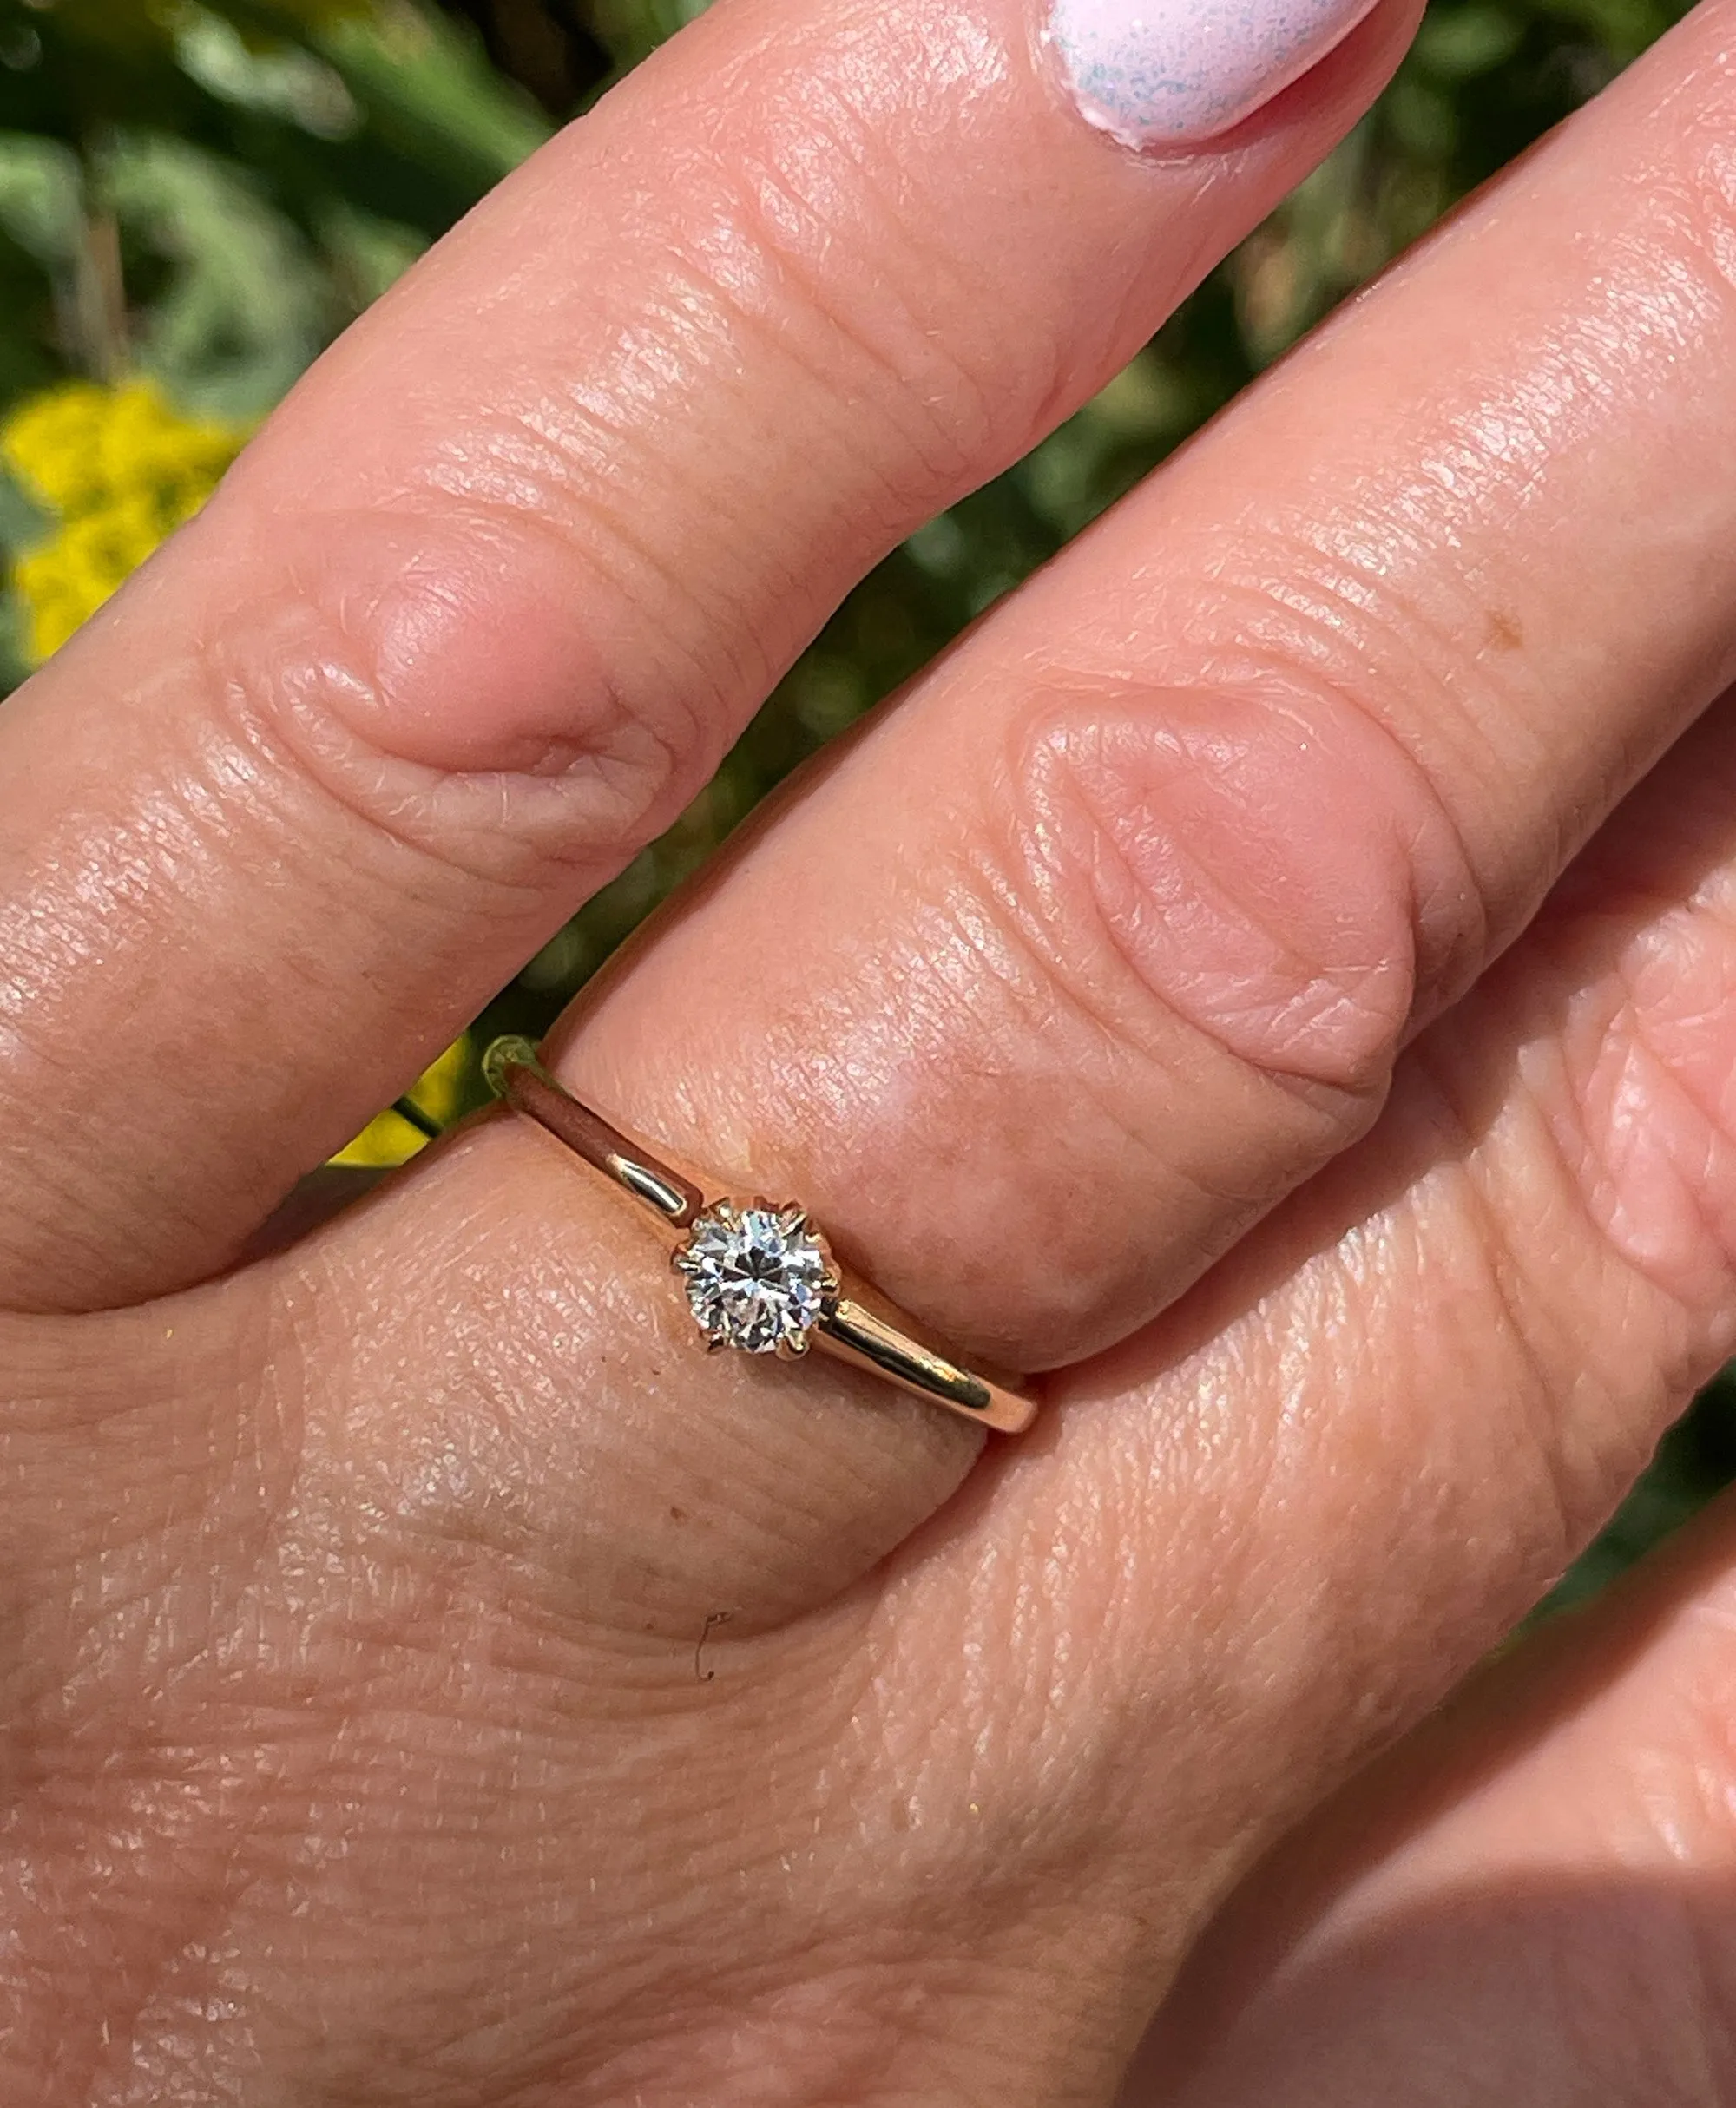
1171	73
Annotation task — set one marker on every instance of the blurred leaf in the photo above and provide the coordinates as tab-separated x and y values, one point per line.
23	521
41	198
1457	43
425	85
281	79
243	308
367	254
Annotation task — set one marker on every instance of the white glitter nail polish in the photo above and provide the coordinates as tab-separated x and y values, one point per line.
1171	73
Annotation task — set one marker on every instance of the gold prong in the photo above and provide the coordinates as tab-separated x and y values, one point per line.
511	1052
793	1348
860	1328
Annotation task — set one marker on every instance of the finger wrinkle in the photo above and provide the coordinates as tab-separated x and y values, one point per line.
320	698
1648	1097
462	646
885	335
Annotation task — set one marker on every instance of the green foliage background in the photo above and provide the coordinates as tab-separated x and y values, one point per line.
207	191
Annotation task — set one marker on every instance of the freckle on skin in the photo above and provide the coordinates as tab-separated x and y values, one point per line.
1504	633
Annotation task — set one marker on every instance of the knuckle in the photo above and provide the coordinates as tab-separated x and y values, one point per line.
437	675
550	609
1256	859
1637	1093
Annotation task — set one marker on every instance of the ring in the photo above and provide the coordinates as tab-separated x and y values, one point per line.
758	1275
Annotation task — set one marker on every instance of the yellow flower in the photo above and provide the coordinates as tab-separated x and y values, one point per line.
70	577
439	1092
122	469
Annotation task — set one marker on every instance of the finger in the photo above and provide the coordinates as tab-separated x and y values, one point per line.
487	601
1316	1493
1245	1547
1128	905
556	1337
1528	1900
555	1331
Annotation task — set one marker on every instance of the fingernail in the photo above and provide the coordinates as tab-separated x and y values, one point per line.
1172	72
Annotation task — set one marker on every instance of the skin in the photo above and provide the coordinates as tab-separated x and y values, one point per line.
429	1679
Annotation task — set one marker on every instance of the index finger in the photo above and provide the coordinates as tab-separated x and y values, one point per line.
483	606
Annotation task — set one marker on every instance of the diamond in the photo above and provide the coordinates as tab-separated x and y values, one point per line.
757	1277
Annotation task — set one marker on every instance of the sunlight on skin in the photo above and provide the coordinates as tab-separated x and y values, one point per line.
439	1680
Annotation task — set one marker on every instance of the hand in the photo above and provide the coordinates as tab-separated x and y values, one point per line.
433	1680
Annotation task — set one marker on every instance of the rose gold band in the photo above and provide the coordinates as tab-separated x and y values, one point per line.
852	1322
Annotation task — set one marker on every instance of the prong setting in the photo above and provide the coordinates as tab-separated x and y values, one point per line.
759	1276
854	1323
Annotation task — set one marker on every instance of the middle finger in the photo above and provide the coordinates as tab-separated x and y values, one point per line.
476	613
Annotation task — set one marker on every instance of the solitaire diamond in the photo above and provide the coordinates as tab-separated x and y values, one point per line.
757	1277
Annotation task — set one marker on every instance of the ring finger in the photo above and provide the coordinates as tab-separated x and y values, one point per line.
1110	931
